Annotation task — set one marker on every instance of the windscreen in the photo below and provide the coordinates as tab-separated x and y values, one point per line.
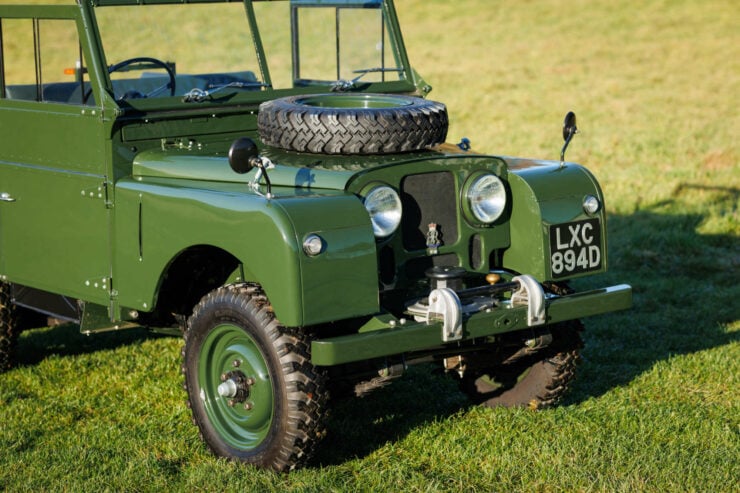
342	42
151	48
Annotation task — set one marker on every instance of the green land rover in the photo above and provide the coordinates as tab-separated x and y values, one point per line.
268	180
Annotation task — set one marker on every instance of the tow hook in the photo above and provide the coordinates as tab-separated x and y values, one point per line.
530	293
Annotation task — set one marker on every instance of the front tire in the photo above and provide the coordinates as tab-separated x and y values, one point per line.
539	380
253	392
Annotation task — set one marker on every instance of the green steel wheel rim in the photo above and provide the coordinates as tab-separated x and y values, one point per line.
242	425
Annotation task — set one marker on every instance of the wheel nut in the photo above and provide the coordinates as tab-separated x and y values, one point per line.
250	381
223	377
248	406
236	363
231	402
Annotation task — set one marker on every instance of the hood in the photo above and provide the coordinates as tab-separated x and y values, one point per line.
291	169
184	164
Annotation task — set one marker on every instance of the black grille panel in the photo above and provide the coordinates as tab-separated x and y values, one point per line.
428	198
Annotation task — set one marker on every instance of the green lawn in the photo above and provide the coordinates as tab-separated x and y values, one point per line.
656	86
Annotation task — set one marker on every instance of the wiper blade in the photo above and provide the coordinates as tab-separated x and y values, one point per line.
198	95
346	85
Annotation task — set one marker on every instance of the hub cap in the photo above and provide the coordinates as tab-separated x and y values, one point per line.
239	404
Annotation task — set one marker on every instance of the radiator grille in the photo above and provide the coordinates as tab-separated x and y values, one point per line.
428	198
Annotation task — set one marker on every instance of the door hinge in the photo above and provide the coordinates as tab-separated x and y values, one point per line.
99	192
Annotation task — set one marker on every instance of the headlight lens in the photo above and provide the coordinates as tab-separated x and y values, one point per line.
384	206
487	198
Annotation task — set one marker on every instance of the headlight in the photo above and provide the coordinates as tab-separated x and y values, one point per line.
384	206
486	198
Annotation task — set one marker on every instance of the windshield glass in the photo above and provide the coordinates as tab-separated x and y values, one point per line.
207	50
344	42
193	46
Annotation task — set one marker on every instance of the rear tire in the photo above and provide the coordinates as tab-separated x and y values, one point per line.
536	381
9	329
253	392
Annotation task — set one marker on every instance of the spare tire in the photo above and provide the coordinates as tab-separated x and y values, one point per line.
352	123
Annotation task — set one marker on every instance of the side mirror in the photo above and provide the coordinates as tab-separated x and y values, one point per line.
569	126
243	155
569	130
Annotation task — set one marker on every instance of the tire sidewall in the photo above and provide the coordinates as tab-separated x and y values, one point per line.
221	310
365	124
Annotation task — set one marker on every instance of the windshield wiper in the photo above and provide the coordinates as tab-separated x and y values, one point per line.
198	95
346	85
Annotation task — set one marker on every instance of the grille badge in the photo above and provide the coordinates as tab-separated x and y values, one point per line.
433	239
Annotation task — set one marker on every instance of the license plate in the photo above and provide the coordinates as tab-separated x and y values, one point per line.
575	247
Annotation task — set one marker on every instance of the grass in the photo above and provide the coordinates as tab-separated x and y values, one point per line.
656	407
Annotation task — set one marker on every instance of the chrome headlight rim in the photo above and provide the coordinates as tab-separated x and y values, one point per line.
489	210
383	203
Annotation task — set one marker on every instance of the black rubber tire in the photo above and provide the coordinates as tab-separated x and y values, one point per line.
299	397
352	123
9	329
537	381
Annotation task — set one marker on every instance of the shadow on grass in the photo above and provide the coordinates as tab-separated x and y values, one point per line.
66	340
685	286
359	426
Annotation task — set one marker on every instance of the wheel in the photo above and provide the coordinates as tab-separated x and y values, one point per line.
352	123
253	392
8	328
538	379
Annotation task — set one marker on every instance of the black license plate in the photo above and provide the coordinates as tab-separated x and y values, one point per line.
575	247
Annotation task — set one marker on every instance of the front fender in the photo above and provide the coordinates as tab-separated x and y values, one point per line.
545	193
157	218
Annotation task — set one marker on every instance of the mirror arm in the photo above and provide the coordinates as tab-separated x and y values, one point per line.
565	146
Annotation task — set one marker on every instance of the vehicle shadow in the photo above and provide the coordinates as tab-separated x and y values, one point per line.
359	426
65	339
685	294
685	289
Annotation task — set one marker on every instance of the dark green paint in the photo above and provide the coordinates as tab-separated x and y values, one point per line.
545	193
240	428
383	339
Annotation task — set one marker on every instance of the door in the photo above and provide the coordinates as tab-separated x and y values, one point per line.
54	192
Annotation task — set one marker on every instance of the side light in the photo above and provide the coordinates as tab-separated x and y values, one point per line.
313	245
591	204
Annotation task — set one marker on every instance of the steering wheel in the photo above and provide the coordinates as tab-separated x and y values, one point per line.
143	61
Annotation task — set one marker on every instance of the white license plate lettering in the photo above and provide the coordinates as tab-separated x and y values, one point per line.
575	247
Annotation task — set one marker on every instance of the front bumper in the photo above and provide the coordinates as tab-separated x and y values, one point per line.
385	335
